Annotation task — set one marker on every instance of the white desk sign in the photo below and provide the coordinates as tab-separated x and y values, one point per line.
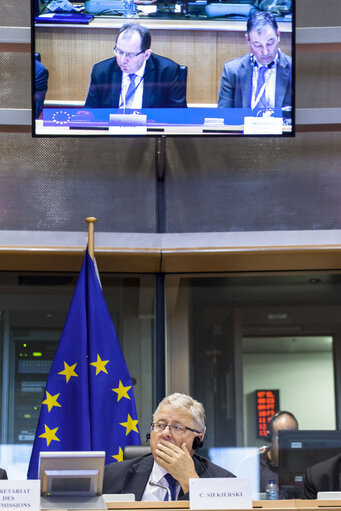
220	493
20	495
263	126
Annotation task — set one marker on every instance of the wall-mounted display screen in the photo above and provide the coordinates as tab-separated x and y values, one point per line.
163	67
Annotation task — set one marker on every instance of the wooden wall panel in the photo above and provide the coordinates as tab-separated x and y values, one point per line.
69	55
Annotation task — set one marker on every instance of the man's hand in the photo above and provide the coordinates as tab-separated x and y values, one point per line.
177	461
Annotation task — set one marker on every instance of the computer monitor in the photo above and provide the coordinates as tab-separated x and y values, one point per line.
298	450
71	474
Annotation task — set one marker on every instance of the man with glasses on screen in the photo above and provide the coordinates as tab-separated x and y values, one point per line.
136	78
262	78
177	430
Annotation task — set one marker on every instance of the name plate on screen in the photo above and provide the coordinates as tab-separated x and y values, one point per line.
20	495
263	126
220	493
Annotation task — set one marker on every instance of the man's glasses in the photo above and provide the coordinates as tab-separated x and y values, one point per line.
176	429
120	53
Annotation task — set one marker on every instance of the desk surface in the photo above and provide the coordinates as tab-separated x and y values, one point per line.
163	24
268	505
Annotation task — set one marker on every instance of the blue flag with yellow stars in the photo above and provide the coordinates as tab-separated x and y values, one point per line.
89	402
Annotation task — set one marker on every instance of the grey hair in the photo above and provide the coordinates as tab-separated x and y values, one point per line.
196	409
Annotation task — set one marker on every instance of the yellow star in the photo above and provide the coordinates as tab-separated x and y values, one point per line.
50	434
121	391
119	456
130	425
51	401
68	371
100	365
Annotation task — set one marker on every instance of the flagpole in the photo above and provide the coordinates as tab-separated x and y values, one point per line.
91	220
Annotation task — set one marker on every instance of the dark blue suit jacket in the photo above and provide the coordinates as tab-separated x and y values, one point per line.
235	84
3	474
131	476
162	85
40	86
324	476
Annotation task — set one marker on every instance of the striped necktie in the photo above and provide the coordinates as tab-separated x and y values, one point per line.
260	83
129	97
172	486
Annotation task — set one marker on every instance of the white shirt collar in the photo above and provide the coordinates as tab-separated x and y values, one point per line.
139	72
258	64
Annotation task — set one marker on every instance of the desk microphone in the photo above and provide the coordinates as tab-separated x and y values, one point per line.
153	483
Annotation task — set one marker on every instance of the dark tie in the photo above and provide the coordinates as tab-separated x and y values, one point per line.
131	91
260	82
172	486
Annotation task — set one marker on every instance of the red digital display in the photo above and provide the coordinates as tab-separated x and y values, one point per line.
267	404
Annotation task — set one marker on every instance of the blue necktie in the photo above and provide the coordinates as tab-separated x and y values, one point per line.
129	97
172	486
260	82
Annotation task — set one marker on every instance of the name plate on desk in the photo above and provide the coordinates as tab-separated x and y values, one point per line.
263	125
20	495
220	493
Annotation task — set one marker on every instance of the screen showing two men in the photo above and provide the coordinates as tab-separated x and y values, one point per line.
174	68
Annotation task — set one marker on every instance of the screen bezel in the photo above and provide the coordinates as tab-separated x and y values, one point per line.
207	130
66	464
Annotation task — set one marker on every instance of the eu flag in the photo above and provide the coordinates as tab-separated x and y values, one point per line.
89	400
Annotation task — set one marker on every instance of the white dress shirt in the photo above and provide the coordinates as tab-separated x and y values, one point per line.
270	84
139	81
155	493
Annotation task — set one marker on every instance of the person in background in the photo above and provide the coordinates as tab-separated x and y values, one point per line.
3	474
262	78
177	430
136	78
40	87
268	459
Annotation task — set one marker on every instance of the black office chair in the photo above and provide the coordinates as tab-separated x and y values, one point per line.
133	451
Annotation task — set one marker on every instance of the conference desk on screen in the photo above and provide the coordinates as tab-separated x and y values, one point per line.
70	51
152	121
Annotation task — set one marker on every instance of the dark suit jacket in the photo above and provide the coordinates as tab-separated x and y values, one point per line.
236	78
324	476
3	474
162	85
131	476
40	86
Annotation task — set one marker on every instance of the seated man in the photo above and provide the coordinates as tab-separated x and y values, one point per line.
262	78
268	459
324	476
177	429
135	78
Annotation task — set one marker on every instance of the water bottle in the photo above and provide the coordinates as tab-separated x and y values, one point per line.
271	490
128	8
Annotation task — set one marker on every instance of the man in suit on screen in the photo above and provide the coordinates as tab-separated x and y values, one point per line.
177	430
262	78
136	77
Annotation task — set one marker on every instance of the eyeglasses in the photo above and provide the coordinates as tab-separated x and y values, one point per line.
120	53
176	429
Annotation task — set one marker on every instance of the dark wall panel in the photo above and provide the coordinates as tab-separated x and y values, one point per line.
254	184
54	183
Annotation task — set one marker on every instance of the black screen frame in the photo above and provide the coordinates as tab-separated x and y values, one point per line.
152	133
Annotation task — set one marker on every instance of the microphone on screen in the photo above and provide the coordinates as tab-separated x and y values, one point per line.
153	483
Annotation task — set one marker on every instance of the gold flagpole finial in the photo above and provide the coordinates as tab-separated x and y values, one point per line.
91	220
